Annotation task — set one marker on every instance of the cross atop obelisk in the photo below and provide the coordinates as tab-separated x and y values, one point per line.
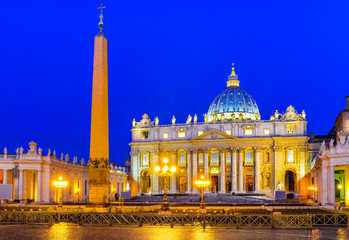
100	24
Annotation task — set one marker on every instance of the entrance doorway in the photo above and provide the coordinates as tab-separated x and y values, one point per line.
290	181
228	187
249	183
182	183
146	184
214	184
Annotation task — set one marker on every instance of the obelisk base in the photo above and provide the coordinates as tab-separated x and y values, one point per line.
99	186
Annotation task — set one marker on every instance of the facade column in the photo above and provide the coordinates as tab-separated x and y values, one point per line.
223	181
39	186
195	168
189	175
173	180
155	176
277	159
257	173
206	163
332	186
233	169
20	185
241	169
4	179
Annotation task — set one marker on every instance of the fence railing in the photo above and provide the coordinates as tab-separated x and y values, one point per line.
237	221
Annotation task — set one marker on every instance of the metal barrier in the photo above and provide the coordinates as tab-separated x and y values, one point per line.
237	221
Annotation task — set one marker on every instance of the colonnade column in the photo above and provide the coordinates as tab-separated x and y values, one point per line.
332	185
241	169
4	179
189	162
20	185
195	167
222	188
233	170
39	186
173	180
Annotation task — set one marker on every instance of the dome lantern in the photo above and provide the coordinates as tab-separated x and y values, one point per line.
233	103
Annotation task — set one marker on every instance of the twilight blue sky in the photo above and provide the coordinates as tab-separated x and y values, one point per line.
165	58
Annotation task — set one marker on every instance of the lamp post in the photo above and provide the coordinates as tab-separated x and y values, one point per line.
59	185
165	171
202	184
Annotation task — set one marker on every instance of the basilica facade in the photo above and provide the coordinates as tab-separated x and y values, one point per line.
236	150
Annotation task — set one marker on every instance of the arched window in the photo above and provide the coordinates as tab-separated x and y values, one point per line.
249	157
214	158
290	155
182	159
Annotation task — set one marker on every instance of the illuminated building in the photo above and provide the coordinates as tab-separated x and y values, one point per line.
237	151
329	175
33	175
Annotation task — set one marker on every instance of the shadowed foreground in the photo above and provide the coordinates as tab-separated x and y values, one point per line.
74	231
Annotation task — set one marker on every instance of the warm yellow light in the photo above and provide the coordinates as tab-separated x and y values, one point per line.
340	186
165	160
157	169
78	189
173	169
60	183
165	169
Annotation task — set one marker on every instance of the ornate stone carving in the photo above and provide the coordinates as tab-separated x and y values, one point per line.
195	118
222	117
173	120
205	118
40	151
134	122
213	134
21	151
32	148
66	158
5	151
341	136
82	161
291	114
98	163
156	121
189	119
49	152
332	144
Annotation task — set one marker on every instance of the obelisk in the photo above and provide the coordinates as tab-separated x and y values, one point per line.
99	142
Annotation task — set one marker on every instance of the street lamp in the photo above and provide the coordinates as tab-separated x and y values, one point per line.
202	184
59	185
165	172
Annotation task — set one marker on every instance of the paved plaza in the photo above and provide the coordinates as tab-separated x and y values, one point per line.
64	231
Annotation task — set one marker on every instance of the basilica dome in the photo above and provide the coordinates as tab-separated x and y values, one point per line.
233	103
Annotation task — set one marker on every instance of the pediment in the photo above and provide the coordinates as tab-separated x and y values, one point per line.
214	134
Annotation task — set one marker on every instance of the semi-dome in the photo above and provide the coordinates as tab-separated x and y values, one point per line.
233	103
